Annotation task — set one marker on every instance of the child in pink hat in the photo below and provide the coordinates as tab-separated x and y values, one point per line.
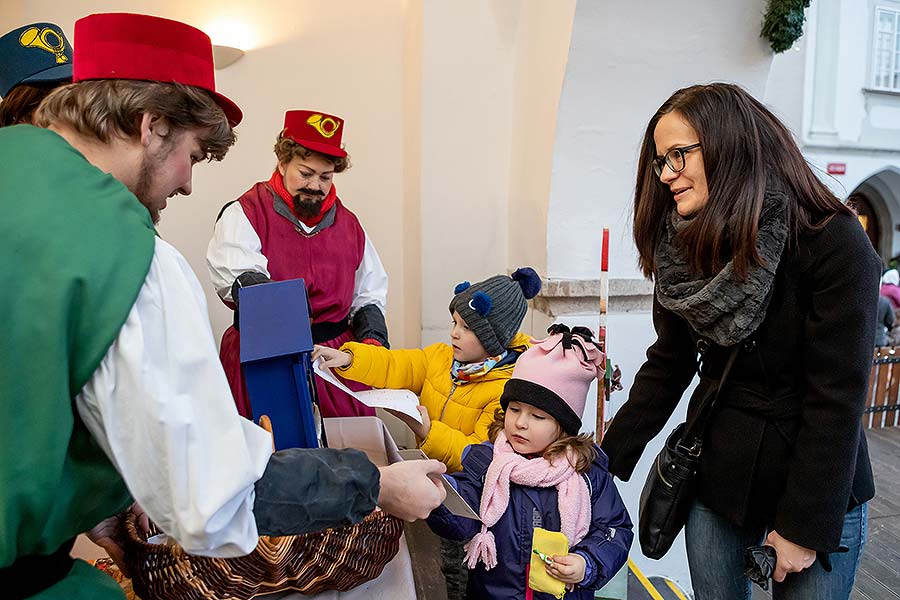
539	471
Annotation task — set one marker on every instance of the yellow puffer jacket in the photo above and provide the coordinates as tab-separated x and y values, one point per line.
460	413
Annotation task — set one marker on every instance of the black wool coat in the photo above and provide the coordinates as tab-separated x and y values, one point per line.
784	448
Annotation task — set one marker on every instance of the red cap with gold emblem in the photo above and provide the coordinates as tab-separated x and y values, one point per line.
315	130
130	46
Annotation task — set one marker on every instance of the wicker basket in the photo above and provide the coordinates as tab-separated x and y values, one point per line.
334	559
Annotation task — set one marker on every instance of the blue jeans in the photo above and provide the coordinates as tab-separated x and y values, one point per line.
715	549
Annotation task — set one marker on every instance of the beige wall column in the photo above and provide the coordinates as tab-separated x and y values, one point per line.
411	238
467	78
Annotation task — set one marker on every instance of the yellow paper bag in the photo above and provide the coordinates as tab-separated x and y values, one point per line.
548	543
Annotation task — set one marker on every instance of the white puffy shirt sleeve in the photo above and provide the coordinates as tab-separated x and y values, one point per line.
161	408
370	284
234	249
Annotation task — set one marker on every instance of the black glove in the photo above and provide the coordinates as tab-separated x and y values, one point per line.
244	280
368	323
759	565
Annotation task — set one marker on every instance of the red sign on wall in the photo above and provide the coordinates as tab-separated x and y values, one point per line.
837	168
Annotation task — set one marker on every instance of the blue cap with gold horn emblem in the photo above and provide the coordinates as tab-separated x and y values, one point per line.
34	53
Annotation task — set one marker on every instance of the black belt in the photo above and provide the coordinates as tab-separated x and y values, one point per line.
783	406
32	574
328	330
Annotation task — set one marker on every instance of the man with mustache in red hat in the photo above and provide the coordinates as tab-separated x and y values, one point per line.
110	388
295	226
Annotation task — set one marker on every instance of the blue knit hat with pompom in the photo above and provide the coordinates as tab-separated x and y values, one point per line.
494	308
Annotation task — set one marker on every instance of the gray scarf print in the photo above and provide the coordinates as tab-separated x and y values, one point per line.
720	308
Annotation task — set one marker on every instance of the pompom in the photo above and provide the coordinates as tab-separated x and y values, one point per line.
585	332
481	303
558	328
461	287
528	280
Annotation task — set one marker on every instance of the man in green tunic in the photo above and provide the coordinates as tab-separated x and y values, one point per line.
110	386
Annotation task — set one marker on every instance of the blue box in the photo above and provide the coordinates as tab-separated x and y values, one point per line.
276	348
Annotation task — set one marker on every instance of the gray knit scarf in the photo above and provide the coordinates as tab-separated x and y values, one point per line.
721	308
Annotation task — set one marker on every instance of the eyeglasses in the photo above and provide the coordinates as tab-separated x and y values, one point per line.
674	158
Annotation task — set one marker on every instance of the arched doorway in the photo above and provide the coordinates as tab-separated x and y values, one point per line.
877	200
868	218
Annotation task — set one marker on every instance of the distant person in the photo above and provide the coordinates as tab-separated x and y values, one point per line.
884	322
890	287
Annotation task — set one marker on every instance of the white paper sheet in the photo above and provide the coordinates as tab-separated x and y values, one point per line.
454	502
402	401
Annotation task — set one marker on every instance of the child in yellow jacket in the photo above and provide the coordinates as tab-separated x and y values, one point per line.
458	384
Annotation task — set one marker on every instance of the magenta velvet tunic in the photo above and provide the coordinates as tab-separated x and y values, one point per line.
327	261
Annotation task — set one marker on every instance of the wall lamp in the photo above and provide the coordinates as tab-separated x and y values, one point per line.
224	56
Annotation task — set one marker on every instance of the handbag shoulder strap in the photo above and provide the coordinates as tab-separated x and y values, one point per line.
696	427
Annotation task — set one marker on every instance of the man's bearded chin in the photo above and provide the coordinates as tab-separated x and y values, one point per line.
142	188
304	207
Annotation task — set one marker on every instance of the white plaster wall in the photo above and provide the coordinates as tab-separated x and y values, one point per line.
624	61
542	51
843	111
785	87
851	68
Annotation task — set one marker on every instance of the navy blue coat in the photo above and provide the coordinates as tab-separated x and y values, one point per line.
605	546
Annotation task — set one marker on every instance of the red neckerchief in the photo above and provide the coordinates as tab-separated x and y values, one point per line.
277	183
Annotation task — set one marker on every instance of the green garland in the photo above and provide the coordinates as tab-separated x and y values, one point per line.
783	23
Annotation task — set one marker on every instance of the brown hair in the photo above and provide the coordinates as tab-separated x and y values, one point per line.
745	149
286	149
106	108
582	445
19	104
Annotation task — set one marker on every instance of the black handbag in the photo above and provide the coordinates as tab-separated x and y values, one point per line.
669	490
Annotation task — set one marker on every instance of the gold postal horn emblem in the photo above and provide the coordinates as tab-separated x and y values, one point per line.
46	39
326	126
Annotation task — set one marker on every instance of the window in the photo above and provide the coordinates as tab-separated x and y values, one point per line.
886	50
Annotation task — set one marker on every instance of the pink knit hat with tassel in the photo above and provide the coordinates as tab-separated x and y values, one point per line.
555	373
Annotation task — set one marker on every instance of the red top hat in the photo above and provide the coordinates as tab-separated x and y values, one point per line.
129	46
316	131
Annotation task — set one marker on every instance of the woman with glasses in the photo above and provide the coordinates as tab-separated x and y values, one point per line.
751	253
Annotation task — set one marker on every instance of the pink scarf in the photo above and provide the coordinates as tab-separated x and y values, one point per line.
573	497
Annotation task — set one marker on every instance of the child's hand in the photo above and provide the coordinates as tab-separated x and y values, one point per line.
332	357
569	568
420	429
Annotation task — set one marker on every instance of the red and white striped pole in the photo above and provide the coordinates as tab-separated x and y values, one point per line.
602	393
